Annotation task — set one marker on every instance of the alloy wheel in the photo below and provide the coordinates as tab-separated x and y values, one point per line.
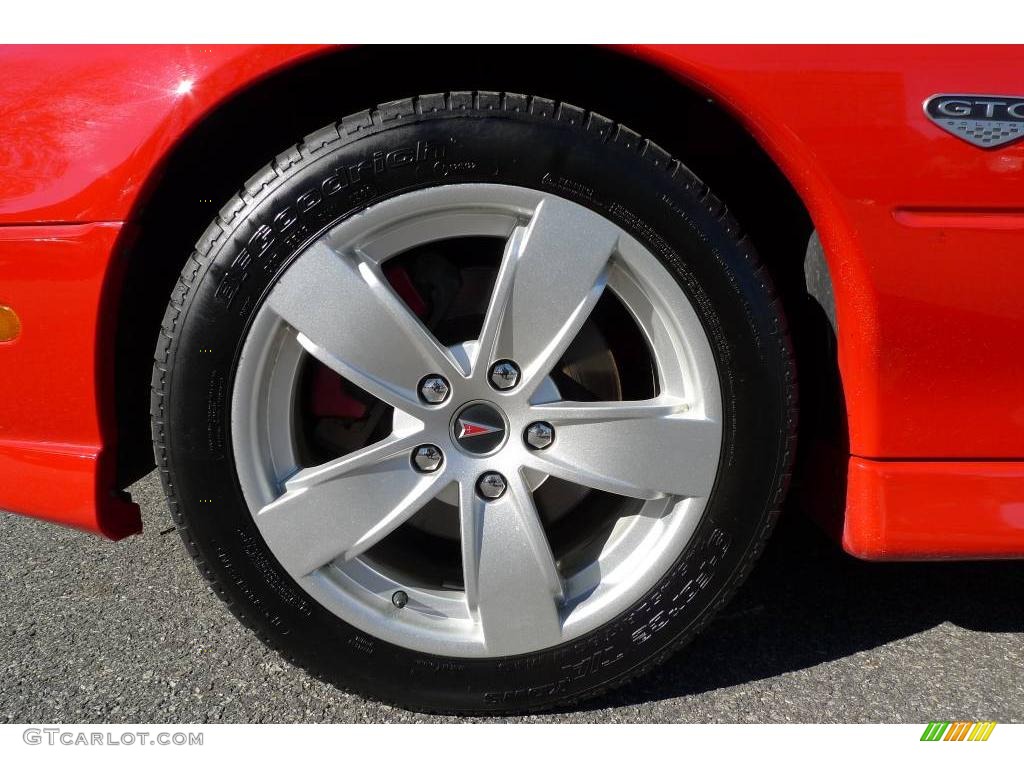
477	427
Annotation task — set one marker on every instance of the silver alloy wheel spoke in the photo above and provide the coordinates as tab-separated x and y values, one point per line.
512	583
552	274
349	318
641	449
342	508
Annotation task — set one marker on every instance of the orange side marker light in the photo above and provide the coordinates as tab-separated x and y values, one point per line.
10	324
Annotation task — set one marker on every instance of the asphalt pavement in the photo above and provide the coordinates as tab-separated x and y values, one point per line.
128	632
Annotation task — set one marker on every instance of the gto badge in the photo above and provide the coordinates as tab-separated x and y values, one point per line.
984	121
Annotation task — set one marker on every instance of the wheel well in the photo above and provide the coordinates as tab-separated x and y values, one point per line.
238	137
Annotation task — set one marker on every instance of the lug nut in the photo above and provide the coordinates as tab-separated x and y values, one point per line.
491	485
427	458
400	599
540	435
504	374
434	389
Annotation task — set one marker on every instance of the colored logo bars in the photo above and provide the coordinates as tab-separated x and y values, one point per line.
960	730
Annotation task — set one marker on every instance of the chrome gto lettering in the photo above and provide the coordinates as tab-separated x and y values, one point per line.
989	108
955	107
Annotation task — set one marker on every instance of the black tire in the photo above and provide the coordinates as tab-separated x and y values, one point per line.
454	138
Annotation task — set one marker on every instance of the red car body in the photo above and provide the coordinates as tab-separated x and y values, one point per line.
922	234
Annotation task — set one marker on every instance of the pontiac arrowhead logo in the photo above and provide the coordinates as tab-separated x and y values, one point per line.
479	429
472	428
984	121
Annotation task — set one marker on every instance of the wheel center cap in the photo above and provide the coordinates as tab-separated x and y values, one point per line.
479	429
